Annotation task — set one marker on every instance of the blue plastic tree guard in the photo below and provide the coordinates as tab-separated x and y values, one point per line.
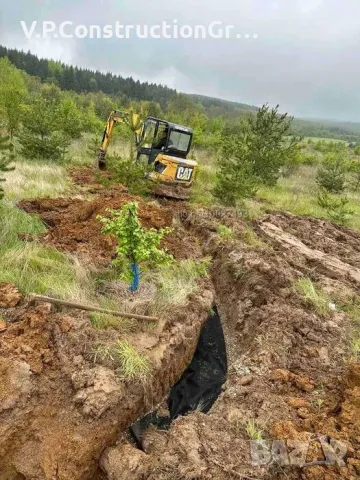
136	278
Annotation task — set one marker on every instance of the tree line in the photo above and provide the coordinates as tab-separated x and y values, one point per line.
165	101
45	118
80	80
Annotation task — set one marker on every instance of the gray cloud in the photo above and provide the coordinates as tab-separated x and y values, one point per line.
305	57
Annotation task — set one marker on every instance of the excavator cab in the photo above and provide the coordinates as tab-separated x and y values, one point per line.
159	143
166	146
161	136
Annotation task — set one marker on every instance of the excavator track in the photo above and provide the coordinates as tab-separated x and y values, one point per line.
171	191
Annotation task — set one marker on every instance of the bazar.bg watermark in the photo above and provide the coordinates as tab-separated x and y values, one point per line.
163	30
295	453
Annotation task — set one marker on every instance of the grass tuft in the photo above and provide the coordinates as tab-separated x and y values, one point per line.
103	353
133	365
34	179
104	321
201	191
253	431
176	281
355	348
34	267
15	222
312	295
224	232
250	237
39	269
298	194
352	309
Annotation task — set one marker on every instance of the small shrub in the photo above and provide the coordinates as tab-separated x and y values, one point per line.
257	153
309	158
53	147
134	244
291	166
235	179
130	173
353	168
357	150
92	149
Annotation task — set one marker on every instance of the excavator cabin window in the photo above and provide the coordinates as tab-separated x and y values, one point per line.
161	136
148	133
158	135
179	140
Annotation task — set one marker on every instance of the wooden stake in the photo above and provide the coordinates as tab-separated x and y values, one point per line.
57	301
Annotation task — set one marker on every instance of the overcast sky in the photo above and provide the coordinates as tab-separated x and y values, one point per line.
306	56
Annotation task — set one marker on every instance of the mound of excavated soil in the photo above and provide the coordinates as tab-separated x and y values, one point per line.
73	225
289	369
317	234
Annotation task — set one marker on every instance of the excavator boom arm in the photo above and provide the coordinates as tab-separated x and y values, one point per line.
116	116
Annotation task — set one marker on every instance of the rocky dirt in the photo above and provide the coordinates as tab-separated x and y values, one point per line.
292	374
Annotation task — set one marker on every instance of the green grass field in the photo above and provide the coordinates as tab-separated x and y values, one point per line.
38	268
296	194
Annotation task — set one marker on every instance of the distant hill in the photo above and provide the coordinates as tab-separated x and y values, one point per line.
216	106
68	77
347	131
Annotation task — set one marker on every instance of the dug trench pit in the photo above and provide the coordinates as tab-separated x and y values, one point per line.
200	384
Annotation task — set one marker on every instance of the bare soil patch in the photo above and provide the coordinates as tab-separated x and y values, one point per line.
64	415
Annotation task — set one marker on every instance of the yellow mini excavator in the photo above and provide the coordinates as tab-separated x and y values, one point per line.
159	143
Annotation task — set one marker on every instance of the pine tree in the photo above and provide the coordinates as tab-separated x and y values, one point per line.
235	179
331	175
6	158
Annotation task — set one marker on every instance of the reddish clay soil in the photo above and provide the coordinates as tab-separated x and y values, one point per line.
93	180
288	371
331	239
60	404
73	225
64	411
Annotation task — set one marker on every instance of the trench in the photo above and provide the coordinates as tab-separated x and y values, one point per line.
200	384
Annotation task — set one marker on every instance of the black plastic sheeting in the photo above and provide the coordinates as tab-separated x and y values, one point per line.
200	384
